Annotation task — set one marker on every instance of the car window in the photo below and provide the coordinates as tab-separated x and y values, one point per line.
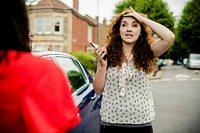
195	56
73	70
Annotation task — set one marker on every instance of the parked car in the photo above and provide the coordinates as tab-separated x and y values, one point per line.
179	62
193	61
185	60
83	92
159	63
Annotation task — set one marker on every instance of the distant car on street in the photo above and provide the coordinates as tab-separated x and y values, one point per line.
83	92
185	60
179	62
159	63
193	61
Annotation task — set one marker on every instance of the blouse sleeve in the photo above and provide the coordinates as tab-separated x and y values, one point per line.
47	104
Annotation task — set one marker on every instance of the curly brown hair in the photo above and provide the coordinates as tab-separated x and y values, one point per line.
143	56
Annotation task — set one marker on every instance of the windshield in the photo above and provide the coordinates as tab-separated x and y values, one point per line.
195	56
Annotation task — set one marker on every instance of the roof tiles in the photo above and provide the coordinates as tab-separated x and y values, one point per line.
53	4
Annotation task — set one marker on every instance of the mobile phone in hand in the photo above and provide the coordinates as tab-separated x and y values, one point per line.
94	45
97	46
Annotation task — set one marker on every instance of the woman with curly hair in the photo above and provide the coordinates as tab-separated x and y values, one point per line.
122	77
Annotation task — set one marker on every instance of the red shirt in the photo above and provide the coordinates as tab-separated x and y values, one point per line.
35	96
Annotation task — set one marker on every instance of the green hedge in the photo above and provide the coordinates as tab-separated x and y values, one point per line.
89	60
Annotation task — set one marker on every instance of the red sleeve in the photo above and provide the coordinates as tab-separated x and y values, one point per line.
48	105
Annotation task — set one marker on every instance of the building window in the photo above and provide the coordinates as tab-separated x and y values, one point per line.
38	25
57	48
38	48
57	24
31	25
47	28
45	48
89	33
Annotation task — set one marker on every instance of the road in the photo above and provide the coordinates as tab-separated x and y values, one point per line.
177	100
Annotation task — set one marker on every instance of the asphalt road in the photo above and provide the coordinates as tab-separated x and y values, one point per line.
177	100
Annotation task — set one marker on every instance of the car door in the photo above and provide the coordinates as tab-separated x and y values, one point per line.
84	95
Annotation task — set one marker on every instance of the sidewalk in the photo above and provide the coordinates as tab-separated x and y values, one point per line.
153	76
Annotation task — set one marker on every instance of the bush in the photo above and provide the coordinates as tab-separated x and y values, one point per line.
89	60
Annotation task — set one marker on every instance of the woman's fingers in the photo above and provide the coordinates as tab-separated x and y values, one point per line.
132	9
100	52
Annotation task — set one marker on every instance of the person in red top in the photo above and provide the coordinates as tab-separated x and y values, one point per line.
35	95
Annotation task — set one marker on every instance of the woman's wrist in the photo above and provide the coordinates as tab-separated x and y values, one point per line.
102	67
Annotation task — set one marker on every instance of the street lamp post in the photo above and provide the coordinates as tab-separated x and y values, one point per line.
97	21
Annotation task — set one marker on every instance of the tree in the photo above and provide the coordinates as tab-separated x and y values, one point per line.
187	31
156	10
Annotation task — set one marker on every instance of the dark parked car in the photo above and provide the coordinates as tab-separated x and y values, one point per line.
84	95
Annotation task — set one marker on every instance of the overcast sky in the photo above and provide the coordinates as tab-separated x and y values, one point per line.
106	7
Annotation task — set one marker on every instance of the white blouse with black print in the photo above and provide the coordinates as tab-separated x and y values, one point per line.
127	96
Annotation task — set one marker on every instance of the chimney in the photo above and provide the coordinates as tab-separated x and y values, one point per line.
104	21
97	19
76	5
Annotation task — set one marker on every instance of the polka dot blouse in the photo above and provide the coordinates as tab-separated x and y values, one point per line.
127	96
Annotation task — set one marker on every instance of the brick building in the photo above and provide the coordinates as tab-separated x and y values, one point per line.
54	23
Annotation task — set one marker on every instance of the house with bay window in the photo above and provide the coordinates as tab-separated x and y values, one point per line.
53	23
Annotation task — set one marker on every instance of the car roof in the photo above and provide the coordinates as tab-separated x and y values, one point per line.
46	53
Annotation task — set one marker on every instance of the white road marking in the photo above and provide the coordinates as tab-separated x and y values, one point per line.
181	79
166	79
155	80
196	79
180	75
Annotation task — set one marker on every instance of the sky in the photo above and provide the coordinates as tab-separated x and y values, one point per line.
104	8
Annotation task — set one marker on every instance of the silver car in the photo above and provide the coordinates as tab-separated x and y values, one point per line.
193	61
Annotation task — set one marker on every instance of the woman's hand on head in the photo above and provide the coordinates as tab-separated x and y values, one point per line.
134	14
101	52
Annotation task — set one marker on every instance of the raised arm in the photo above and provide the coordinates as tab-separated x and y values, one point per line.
100	76
166	37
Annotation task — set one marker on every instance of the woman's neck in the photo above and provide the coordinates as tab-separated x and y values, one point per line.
127	51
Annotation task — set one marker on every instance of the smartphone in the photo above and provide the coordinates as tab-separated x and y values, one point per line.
94	45
97	46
